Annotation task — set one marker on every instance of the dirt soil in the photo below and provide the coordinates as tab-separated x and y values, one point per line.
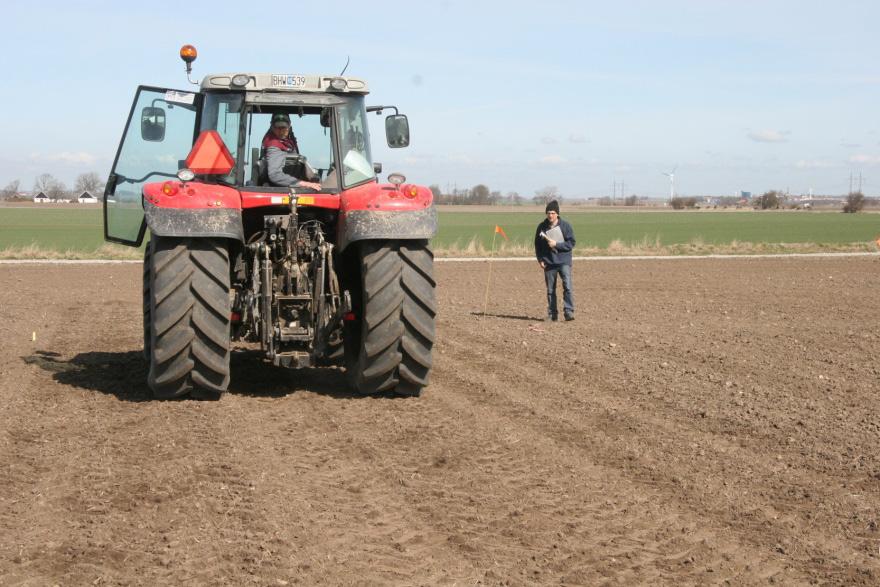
701	421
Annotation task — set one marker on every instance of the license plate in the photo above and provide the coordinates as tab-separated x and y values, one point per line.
289	81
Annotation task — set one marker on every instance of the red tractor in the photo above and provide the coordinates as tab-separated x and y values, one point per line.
334	269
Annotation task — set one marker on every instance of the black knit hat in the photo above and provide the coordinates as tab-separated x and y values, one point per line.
280	117
552	206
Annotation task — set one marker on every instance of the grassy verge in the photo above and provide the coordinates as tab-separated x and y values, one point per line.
105	252
475	248
617	248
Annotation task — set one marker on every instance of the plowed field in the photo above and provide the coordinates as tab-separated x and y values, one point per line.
701	421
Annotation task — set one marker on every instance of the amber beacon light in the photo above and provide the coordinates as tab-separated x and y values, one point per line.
188	53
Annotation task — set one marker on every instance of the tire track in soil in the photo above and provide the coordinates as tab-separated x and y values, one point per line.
653	441
611	470
611	516
113	489
338	487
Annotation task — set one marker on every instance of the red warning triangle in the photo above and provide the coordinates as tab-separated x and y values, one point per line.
209	156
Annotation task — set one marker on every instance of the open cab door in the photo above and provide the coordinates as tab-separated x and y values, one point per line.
158	135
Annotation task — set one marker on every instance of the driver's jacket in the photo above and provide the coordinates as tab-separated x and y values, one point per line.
274	154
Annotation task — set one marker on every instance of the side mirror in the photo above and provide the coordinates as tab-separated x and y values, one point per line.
397	131
153	124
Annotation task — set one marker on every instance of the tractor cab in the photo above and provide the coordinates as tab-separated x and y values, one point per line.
328	123
327	126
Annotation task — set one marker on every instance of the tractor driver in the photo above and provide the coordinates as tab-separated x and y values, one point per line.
278	144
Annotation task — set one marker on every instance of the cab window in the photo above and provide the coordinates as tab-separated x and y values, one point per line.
313	140
354	140
222	112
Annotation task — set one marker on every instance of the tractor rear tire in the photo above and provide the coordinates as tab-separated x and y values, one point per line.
146	290
189	317
388	345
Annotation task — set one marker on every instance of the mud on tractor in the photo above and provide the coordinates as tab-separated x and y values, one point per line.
306	277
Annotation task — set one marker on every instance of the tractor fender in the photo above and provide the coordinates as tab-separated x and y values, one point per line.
193	210
376	211
357	225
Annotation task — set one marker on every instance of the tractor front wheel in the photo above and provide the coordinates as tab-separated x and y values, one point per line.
188	336
388	344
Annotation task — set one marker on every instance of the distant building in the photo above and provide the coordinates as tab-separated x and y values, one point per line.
87	198
41	198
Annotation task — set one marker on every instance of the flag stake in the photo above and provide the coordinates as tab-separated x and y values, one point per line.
489	277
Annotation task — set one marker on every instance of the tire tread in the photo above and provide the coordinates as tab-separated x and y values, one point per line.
190	317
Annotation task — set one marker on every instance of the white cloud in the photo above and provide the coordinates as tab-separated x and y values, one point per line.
552	160
577	138
77	158
813	164
461	159
769	136
548	141
865	159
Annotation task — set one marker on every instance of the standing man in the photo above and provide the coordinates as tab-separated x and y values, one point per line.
554	241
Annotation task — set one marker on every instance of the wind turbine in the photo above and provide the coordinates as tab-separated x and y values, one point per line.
671	176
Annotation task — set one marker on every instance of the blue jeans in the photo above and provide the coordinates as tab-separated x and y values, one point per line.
550	273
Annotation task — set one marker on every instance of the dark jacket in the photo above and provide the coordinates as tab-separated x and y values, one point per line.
273	155
561	255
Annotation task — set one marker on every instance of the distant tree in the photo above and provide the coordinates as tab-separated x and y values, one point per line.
514	198
605	201
631	200
44	182
679	203
57	190
854	203
767	200
50	186
545	194
90	182
10	191
480	194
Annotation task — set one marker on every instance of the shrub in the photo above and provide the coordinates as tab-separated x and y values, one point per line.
767	200
682	203
854	203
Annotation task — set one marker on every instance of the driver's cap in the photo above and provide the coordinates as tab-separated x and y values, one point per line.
280	117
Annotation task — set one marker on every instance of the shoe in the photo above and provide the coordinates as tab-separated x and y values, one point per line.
551	319
569	317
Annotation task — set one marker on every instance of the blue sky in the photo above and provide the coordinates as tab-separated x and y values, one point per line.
741	95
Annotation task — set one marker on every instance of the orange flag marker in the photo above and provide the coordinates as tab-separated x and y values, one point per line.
498	230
